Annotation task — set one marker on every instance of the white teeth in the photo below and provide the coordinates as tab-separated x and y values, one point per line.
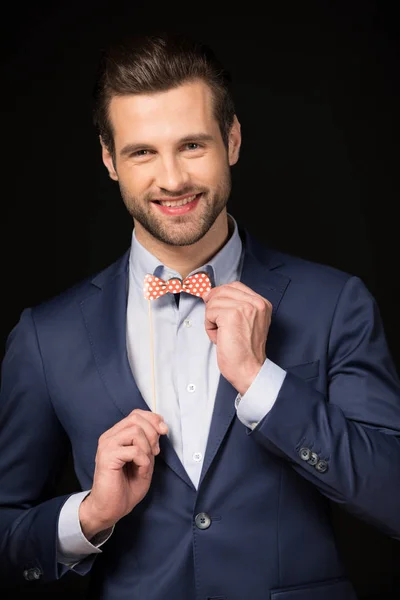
180	202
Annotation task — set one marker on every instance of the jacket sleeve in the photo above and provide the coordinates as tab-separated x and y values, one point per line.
33	450
347	442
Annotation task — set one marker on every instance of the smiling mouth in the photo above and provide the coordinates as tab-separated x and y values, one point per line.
176	203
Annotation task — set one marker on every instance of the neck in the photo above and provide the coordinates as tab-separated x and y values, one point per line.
185	259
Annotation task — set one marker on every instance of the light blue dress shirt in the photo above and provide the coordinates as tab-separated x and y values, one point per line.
186	373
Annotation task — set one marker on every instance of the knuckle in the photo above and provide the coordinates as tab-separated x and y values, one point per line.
154	439
154	422
261	305
133	418
135	429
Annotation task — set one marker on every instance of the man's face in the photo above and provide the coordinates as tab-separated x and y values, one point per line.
168	147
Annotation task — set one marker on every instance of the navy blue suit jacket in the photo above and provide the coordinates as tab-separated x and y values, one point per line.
333	433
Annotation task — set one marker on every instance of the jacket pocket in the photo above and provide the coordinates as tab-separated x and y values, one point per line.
304	370
338	589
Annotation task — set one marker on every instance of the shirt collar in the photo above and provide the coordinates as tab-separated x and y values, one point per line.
222	268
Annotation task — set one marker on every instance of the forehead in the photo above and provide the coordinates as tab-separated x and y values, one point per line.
170	114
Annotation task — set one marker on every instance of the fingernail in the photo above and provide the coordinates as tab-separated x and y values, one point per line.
164	427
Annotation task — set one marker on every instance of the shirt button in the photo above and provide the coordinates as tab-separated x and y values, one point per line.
187	323
197	456
191	387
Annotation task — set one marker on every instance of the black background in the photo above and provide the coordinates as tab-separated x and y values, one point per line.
317	90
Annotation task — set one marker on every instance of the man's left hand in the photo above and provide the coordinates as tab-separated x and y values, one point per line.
237	320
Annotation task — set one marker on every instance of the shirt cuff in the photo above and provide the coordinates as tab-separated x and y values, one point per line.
72	545
260	397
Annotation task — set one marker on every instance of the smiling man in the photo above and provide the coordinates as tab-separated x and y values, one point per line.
216	393
173	170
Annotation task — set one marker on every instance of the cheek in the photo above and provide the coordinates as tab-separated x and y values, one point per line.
136	181
209	171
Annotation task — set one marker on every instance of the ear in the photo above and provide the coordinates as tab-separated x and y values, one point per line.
235	140
108	161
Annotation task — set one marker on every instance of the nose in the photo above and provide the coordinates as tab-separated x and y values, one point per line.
171	175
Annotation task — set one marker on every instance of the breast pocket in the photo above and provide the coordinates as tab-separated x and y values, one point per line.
305	371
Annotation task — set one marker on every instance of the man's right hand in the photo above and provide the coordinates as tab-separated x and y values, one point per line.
123	472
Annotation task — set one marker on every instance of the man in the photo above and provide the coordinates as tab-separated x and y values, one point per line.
209	422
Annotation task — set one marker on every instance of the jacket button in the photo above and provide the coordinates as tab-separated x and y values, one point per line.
32	574
305	453
202	521
313	459
321	466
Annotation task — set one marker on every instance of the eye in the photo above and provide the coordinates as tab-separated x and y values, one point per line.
140	153
192	146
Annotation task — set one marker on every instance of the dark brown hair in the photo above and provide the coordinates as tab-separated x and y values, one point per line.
158	62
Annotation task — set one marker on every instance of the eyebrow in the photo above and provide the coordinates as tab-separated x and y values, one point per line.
196	137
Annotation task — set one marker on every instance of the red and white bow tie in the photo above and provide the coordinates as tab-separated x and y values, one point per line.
197	285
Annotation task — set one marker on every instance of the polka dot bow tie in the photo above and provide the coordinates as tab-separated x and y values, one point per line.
197	285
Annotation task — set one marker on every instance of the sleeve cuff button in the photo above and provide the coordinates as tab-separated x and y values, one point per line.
322	466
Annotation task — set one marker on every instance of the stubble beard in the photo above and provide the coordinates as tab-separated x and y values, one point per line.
186	229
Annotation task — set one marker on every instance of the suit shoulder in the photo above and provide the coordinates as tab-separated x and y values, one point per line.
62	304
305	269
317	285
310	278
295	267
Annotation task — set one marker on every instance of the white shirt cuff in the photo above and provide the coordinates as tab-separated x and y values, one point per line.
72	544
252	407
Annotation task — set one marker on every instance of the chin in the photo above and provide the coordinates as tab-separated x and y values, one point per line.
182	240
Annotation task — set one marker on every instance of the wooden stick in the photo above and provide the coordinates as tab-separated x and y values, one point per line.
153	380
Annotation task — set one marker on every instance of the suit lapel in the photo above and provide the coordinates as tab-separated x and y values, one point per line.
257	274
104	313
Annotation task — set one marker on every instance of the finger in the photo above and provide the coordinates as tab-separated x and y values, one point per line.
241	286
135	436
130	454
251	309
138	417
227	302
238	298
141	428
156	420
220	306
132	436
